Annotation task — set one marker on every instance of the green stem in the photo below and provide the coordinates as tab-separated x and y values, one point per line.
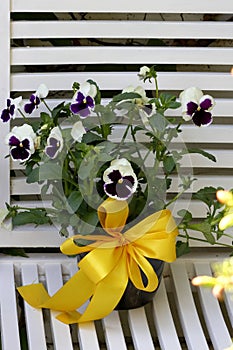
203	240
46	105
25	118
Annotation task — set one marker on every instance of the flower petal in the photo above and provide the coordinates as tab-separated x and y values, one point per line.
207	102
202	118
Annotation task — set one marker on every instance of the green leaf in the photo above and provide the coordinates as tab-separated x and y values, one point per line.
14	252
206	229
35	216
74	201
203	153
158	122
46	171
126	96
182	248
207	195
185	215
169	164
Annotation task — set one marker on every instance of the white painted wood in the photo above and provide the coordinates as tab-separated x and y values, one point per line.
121	29
214	319
4	94
34	317
86	332
142	339
60	331
117	55
163	319
119	80
113	332
167	6
191	325
8	307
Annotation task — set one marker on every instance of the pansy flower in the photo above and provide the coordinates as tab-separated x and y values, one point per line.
143	100
54	143
11	106
83	100
78	131
196	106
35	99
143	73
120	181
21	140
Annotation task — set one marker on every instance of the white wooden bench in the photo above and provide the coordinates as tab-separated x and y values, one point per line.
180	317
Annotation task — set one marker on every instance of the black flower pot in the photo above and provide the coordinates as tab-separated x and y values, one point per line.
133	297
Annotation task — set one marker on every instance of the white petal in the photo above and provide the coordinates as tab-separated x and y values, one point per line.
78	131
17	101
144	70
88	89
23	131
42	91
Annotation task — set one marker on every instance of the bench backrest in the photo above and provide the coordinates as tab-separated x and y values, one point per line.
190	42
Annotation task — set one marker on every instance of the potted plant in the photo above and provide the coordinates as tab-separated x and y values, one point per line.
107	168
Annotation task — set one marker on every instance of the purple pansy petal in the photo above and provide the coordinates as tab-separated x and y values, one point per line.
34	102
29	108
90	101
84	112
26	144
8	112
206	104
82	105
53	147
14	141
129	180
114	176
118	190
202	118
5	116
191	108
20	153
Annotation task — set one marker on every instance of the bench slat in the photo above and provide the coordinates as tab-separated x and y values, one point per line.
119	80
140	330
34	317
215	322
8	308
60	331
163	319
121	29
113	332
167	6
118	55
191	325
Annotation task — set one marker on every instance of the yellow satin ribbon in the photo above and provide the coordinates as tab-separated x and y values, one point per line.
112	260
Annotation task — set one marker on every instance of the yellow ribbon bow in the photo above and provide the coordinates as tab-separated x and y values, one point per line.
112	260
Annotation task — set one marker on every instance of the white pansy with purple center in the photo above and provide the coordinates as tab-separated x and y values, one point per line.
83	100
120	181
196	106
21	140
54	143
78	131
11	107
35	99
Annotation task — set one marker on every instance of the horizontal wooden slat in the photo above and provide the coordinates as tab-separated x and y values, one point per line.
121	55
119	80
121	29
156	6
20	187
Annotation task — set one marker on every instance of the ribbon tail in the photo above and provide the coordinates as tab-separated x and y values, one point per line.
107	295
68	298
